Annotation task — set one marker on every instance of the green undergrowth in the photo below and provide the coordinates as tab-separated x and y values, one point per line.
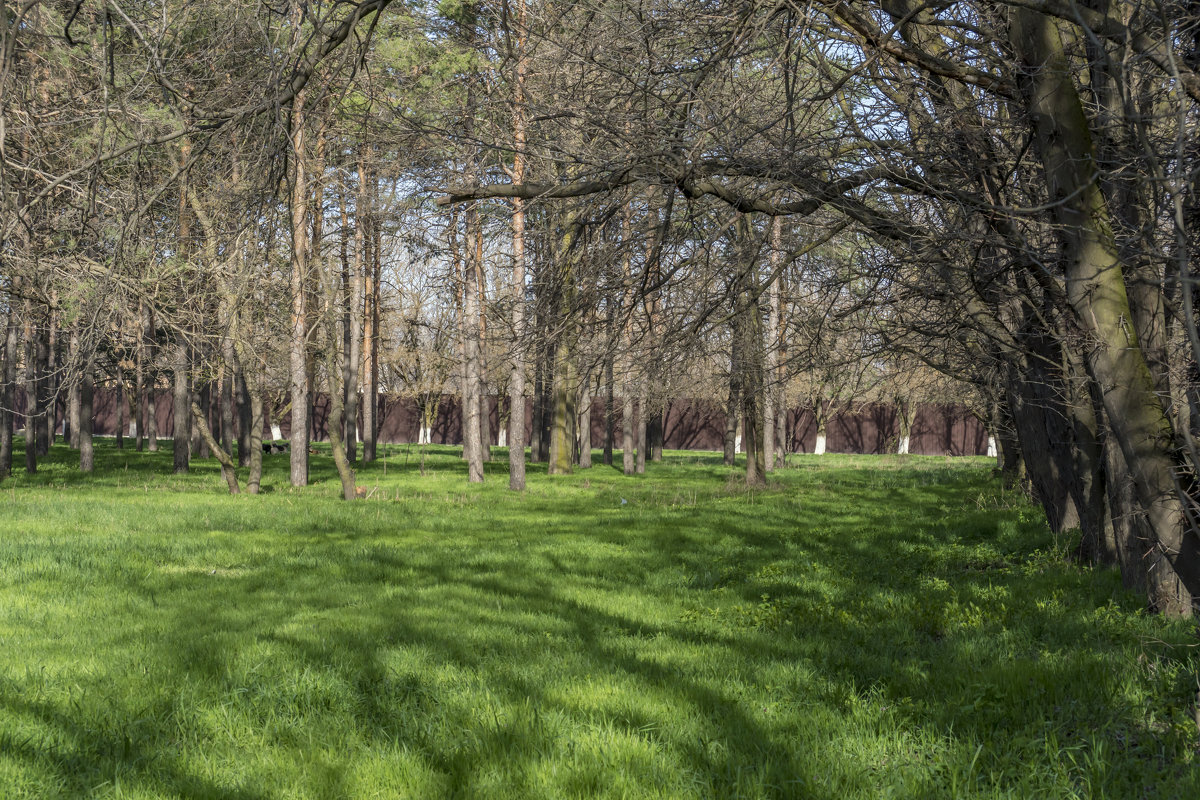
863	627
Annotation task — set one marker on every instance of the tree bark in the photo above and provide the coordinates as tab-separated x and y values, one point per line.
610	412
298	284
87	456
73	400
585	432
151	402
227	468
180	400
1096	292
31	394
8	382
562	442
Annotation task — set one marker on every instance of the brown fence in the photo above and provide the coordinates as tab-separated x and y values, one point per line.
938	429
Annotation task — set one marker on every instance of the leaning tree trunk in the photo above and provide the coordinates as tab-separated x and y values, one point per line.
1097	295
226	461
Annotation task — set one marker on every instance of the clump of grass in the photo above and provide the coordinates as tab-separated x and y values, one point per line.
859	628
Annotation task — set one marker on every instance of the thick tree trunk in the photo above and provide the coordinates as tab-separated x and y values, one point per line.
628	464
562	440
1097	294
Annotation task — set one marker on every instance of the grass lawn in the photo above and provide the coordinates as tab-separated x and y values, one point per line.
865	627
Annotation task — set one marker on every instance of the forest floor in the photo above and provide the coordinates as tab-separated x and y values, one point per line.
864	627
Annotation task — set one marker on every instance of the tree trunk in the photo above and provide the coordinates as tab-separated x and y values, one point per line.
31	394
87	456
469	342
1096	292
73	400
354	314
641	436
654	433
370	342
8	382
336	391
180	400
227	469
732	408
610	412
151	402
227	396
119	391
139	385
244	414
45	416
298	284
562	442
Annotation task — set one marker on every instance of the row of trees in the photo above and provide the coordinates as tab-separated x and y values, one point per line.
626	198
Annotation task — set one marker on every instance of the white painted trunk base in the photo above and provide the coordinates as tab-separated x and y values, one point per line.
133	428
424	435
276	433
820	448
737	443
903	448
992	451
502	438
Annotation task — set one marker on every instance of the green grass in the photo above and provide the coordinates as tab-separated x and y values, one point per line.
865	627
